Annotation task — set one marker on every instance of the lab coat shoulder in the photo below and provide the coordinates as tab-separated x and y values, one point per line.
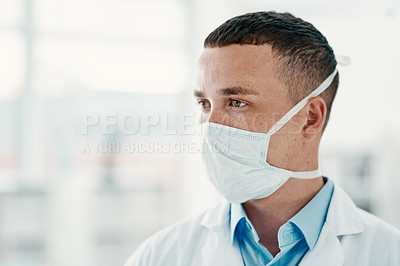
377	244
177	244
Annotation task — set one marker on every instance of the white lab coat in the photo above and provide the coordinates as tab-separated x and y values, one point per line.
350	236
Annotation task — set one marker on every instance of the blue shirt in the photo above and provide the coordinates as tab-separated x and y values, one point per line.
295	237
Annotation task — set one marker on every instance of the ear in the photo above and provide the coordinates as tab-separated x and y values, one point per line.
316	113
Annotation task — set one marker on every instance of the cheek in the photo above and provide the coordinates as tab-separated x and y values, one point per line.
255	122
277	150
285	146
236	120
261	123
240	120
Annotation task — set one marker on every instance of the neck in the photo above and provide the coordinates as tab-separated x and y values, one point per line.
270	213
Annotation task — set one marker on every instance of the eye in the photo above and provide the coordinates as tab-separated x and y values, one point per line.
204	104
237	103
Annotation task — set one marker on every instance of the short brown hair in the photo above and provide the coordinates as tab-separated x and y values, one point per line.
303	56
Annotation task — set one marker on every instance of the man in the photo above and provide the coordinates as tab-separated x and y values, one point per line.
266	82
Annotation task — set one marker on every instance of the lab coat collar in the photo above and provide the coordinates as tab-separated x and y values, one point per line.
217	216
218	249
343	218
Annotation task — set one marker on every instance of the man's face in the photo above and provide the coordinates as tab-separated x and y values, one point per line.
236	86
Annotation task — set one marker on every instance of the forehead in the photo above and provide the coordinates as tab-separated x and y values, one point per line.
245	66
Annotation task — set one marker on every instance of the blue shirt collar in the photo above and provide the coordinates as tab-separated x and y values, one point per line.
237	213
310	219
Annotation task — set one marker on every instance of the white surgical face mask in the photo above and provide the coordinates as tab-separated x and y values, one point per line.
236	160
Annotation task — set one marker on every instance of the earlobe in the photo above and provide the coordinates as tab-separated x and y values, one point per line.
316	113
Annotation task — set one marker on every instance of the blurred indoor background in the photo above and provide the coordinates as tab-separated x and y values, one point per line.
72	72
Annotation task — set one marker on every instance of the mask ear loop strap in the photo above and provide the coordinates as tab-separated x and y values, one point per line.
307	174
295	109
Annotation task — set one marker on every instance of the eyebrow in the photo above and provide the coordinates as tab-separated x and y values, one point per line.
229	91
